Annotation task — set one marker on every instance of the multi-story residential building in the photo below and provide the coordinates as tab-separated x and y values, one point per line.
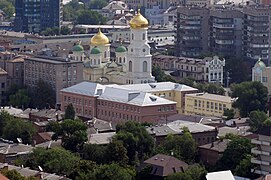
256	33
226	32
116	103
37	15
209	69
163	4
57	72
207	104
168	90
192	31
3	86
262	152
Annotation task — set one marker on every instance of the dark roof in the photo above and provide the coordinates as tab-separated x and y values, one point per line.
190	118
219	146
163	165
266	131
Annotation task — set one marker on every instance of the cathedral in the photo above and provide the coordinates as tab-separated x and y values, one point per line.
132	65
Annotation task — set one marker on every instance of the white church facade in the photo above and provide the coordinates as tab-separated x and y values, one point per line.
132	65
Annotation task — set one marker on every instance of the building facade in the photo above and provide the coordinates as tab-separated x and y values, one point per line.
57	72
262	73
262	152
207	104
209	69
116	104
192	31
36	16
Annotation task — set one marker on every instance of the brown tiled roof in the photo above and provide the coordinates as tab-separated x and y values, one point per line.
163	165
2	177
47	136
219	146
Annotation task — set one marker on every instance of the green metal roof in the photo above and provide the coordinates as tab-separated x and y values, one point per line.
95	50
78	48
121	49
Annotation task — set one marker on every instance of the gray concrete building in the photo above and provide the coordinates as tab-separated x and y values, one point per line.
256	33
59	73
226	31
192	31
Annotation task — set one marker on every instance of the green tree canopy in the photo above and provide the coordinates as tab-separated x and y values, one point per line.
237	74
116	153
55	160
18	128
90	17
97	4
251	96
15	175
73	133
243	169
69	112
210	88
257	120
160	75
114	171
20	99
136	140
7	7
182	147
229	113
4	119
237	150
94	152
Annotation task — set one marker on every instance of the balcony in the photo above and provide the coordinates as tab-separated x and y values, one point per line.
260	162
259	152
223	26
224	42
256	141
256	171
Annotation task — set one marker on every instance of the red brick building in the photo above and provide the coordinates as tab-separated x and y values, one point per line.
115	104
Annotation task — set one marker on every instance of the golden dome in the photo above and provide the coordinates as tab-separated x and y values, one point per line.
99	39
139	21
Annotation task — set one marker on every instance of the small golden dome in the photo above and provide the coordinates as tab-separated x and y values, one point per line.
99	39
139	21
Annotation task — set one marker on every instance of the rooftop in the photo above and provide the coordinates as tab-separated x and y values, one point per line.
221	175
52	60
14	148
160	86
164	165
219	146
100	138
208	96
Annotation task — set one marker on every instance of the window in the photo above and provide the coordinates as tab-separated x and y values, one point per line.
145	65
105	54
132	36
120	60
143	36
130	66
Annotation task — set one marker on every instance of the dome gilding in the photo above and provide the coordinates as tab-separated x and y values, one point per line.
138	21
99	39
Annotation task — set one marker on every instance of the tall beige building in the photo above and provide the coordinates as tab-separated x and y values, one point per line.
57	72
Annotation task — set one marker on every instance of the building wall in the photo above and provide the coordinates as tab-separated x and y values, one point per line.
209	156
3	88
198	105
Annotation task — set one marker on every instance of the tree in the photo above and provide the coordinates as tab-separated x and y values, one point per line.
160	75
194	172
55	160
69	112
251	96
237	74
116	153
42	96
94	152
256	120
210	88
229	113
136	140
7	7
18	128
51	31
20	99
237	150
90	17
182	147
15	175
97	4
65	30
4	119
243	169
73	133
114	171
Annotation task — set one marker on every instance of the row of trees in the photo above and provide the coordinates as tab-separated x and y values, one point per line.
7	6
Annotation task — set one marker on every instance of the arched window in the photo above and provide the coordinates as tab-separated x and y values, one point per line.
120	60
130	66
132	36
143	36
145	65
105	54
123	59
91	62
94	61
99	61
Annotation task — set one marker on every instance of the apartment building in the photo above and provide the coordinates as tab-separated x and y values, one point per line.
168	90
36	16
149	4
262	151
208	69
256	33
59	73
192	31
226	31
207	104
3	86
115	103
